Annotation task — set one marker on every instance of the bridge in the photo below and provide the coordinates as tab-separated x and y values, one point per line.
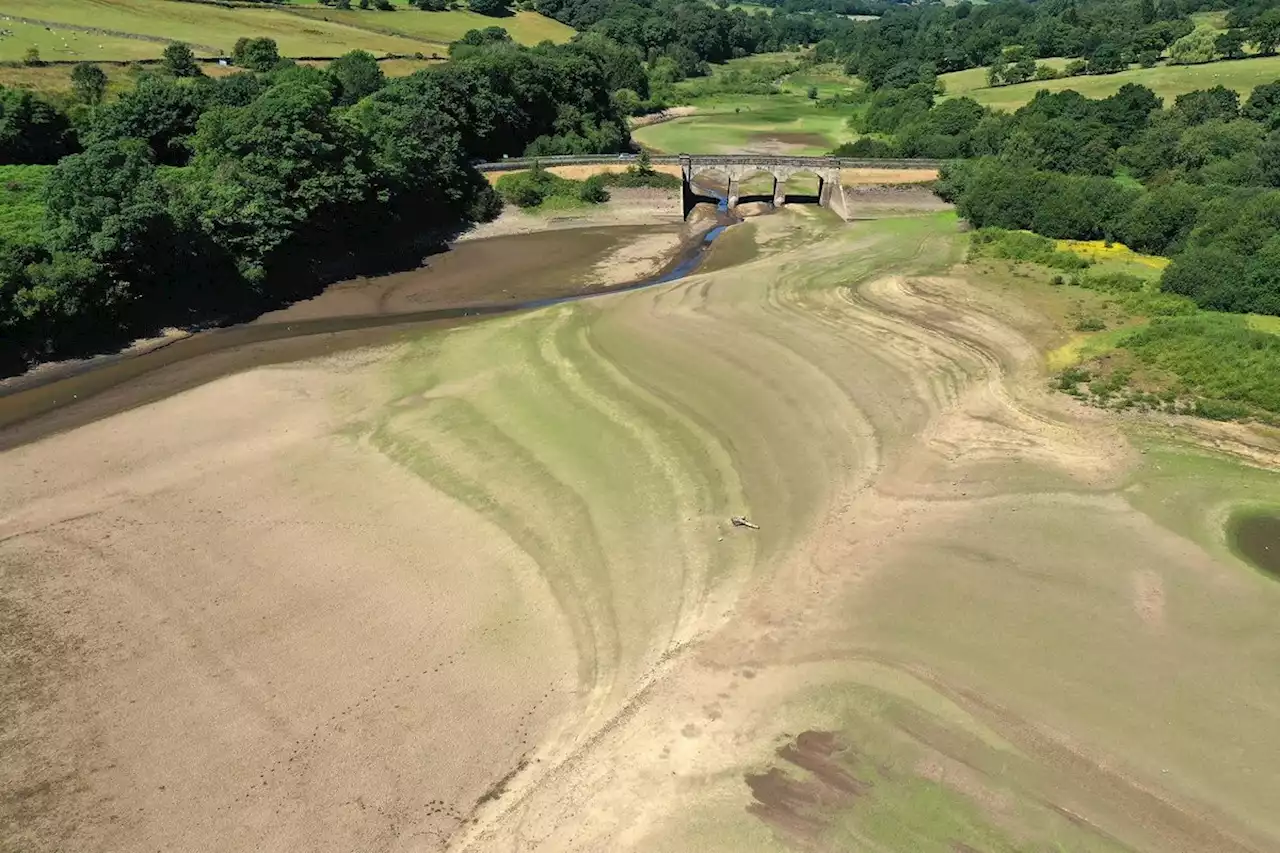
735	167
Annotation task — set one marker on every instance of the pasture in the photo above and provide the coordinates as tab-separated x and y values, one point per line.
1167	81
139	29
762	124
728	121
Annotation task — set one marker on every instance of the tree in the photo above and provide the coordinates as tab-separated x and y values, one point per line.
358	75
812	93
159	111
89	82
1148	58
1107	59
1020	150
1205	274
492	8
593	190
107	206
1231	44
1161	219
180	61
32	130
1264	32
278	171
1218	139
1207	105
1264	105
431	5
627	102
1196	47
1269	159
1128	111
259	54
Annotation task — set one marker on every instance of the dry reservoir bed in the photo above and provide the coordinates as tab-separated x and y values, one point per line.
477	590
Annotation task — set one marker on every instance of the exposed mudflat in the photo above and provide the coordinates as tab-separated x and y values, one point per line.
476	588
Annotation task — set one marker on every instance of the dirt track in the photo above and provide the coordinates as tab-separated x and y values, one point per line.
478	591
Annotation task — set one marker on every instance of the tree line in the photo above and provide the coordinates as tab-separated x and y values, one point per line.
1197	180
677	38
914	43
189	199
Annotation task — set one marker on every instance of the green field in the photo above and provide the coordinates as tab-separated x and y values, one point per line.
443	27
299	29
57	43
1167	81
22	203
971	79
829	80
1215	20
765	124
785	123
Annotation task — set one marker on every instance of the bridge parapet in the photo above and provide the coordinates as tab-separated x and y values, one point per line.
781	169
735	167
516	163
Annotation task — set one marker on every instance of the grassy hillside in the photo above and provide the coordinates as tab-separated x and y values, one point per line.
301	29
444	27
784	123
1166	81
764	124
56	43
22	202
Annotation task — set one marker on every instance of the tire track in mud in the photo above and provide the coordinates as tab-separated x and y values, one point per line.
797	313
1005	394
721	333
615	593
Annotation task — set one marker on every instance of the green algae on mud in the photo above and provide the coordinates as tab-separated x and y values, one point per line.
1255	536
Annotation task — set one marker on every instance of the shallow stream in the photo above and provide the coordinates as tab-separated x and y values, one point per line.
474	279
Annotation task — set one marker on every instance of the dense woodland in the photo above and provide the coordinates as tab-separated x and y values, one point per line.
191	199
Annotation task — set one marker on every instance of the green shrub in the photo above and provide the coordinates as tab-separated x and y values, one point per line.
592	190
1221	410
1071	377
866	148
1023	246
538	187
634	177
1113	282
1090	324
1217	357
525	189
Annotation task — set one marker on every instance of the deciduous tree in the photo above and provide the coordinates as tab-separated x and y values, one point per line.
180	61
358	75
89	82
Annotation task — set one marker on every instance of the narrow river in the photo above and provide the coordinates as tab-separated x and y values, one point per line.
470	281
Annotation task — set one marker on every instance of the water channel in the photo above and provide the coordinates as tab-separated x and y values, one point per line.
474	276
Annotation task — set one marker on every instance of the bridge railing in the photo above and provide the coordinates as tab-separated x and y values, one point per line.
515	163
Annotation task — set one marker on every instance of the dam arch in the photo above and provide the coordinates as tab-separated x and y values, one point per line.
782	169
